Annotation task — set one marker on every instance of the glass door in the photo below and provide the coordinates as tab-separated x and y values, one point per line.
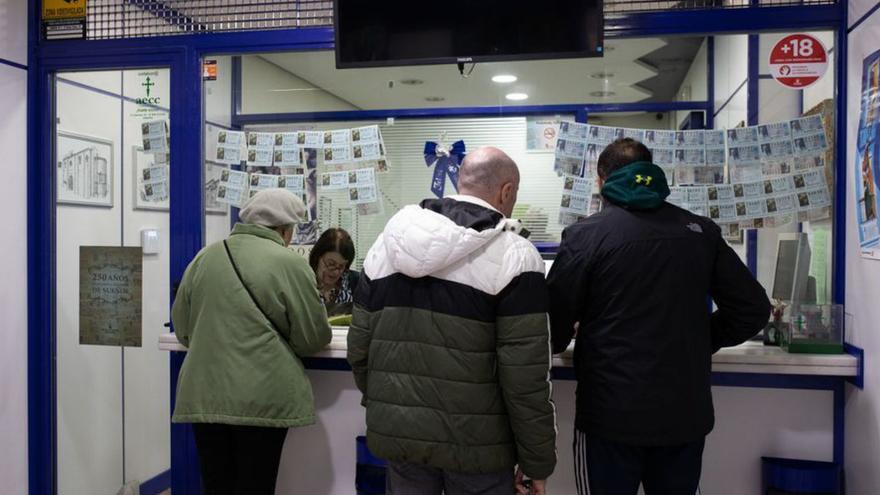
112	253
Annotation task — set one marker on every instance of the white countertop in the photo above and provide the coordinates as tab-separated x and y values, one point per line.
751	357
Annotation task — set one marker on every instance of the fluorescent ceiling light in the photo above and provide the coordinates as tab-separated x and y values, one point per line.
504	78
517	96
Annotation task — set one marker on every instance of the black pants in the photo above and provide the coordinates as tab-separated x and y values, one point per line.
610	468
406	478
238	460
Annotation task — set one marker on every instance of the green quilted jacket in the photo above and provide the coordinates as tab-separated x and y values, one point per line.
239	370
449	342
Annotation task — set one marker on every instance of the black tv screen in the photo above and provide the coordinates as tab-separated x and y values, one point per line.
372	33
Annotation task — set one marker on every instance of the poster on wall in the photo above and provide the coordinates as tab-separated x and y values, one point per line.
110	294
542	133
84	171
213	170
149	181
866	160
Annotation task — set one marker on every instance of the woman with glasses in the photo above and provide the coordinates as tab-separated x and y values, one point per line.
331	260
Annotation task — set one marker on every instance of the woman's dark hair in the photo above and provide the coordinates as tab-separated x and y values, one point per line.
621	153
332	240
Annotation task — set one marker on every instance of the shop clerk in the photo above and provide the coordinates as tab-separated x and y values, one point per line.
331	260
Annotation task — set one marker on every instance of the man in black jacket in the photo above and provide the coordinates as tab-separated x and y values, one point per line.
633	284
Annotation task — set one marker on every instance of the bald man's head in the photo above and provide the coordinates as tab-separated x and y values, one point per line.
489	174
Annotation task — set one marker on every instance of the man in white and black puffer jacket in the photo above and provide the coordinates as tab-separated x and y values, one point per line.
449	342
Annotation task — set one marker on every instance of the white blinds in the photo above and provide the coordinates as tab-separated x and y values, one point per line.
409	179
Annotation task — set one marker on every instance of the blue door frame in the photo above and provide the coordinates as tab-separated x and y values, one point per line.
183	55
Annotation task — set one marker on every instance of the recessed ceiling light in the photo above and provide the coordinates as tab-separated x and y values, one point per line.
602	75
603	94
412	82
517	96
504	78
435	99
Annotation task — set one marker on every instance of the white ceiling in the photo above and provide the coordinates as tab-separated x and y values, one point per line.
547	82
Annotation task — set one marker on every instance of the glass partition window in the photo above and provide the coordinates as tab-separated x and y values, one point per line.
283	93
111	184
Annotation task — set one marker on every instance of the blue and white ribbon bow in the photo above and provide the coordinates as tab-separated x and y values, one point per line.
446	161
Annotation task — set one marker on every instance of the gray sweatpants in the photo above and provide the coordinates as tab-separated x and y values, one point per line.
405	478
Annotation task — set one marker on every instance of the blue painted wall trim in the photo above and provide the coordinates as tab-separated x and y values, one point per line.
864	17
157	484
10	63
502	111
718	21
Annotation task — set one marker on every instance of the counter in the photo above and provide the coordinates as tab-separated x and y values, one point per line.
751	357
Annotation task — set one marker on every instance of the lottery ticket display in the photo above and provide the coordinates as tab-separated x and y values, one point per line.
750	176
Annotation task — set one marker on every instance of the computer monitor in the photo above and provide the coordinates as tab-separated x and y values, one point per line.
791	280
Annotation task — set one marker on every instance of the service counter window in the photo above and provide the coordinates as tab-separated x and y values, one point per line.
359	144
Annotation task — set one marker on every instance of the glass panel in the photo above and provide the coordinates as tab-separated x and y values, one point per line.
632	70
111	184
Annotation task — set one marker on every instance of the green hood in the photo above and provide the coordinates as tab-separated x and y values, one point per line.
637	186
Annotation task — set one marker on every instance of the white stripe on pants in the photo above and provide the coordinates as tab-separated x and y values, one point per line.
581	471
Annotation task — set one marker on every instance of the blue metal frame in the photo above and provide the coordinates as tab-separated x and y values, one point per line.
754	65
710	82
489	111
838	265
183	54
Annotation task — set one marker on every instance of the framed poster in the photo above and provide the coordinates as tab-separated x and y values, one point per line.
212	184
84	170
151	189
110	295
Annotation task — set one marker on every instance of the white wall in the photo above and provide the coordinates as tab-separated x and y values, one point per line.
13	265
694	87
862	288
267	88
638	121
731	71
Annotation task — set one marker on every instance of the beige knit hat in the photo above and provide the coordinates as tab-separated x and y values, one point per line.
273	208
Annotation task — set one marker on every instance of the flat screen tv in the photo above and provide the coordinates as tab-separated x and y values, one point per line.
372	33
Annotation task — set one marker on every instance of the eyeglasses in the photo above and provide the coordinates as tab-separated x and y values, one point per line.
332	266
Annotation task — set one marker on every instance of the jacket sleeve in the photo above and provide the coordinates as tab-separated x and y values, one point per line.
566	283
360	334
523	350
743	306
306	316
180	310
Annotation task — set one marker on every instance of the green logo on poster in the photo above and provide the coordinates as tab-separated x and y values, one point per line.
148	100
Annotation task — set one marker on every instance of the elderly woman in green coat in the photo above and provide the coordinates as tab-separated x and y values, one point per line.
248	309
